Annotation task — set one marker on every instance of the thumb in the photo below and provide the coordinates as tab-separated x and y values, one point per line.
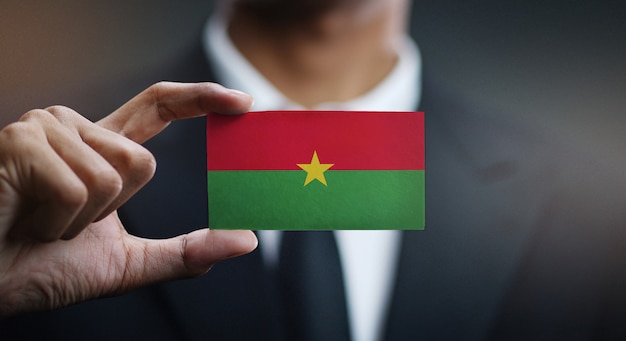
185	256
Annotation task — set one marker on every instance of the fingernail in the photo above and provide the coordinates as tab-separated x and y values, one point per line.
244	96
238	93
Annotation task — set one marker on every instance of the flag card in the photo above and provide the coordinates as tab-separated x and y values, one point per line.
316	170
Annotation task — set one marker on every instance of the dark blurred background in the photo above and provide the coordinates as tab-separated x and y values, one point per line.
558	64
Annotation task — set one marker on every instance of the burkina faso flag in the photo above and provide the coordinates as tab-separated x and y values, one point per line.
316	170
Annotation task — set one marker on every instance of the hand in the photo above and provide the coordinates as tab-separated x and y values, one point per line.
62	179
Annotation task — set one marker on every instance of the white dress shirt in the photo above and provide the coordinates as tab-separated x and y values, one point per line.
368	258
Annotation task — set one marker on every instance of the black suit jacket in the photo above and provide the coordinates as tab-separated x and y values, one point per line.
523	240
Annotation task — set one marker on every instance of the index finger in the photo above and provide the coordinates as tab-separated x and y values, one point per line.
152	110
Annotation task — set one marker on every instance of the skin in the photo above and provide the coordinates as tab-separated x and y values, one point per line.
62	179
319	51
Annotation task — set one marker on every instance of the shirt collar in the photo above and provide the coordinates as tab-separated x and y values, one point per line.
399	91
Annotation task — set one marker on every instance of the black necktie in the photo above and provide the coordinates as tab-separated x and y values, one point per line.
311	286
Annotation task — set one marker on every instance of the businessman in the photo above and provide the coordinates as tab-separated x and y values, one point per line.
523	238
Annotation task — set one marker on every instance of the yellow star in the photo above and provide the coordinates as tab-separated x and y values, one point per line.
315	170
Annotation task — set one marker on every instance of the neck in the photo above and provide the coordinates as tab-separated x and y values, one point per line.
336	55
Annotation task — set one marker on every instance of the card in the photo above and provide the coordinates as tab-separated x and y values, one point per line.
316	170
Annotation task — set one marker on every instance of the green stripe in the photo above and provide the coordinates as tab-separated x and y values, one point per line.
353	200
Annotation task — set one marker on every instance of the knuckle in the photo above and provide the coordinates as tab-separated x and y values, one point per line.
20	136
157	89
15	130
144	165
156	92
36	115
58	110
51	115
159	86
73	196
137	162
62	113
106	183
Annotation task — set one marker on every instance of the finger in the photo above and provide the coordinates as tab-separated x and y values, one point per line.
185	256
102	182
65	132
51	194
133	164
152	110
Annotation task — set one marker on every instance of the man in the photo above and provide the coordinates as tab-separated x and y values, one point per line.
511	248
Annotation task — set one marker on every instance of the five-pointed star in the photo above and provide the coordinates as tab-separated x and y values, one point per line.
315	170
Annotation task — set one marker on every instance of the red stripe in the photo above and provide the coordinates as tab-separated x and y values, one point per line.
278	140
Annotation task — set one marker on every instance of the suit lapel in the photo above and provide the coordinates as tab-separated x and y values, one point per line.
452	276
